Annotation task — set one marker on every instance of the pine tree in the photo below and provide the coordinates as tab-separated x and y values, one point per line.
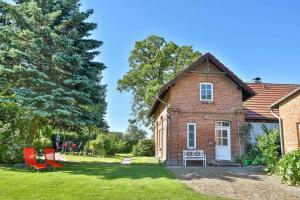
47	63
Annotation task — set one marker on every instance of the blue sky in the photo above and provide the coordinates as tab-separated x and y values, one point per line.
253	38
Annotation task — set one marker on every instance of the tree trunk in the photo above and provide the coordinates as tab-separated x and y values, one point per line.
33	129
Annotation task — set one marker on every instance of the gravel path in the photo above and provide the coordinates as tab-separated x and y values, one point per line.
243	183
126	161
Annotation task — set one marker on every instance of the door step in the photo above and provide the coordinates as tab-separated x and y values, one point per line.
223	163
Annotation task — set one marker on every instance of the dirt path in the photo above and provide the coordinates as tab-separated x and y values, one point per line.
246	183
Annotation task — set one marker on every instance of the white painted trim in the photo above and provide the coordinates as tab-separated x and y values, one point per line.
212	91
228	128
195	135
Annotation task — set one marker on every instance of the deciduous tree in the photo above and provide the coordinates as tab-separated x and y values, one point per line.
152	63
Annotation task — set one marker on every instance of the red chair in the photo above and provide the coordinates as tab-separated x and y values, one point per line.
30	159
50	158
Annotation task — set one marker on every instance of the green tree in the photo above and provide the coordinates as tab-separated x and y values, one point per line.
152	63
47	64
133	135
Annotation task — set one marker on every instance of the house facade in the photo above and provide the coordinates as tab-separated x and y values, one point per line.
289	114
201	108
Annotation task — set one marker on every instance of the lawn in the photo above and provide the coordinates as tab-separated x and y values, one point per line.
95	178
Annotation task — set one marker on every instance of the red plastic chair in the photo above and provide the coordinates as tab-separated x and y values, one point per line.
50	158
30	159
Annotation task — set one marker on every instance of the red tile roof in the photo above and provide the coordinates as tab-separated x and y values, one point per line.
276	104
257	107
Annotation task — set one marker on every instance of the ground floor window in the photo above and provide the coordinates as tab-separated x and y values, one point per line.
191	136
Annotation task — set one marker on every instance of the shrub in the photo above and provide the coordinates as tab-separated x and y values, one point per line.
269	145
97	146
41	143
103	145
132	136
14	128
288	168
144	148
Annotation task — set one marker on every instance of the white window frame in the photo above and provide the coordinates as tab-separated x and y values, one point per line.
212	91
221	127
188	135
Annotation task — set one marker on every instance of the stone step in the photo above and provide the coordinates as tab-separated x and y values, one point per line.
221	163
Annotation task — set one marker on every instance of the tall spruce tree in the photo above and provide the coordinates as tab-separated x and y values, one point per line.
47	64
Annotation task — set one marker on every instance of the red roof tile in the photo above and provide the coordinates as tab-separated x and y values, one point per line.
257	107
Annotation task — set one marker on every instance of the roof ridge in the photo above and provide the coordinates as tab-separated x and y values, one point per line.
297	84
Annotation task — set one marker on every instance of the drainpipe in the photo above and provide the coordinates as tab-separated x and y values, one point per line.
280	131
167	131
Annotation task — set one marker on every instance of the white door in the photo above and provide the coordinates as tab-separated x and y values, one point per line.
223	146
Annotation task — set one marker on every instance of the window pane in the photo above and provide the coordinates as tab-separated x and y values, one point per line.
218	134
208	97
224	133
208	87
203	86
218	123
225	142
191	135
226	124
191	143
203	97
191	127
219	141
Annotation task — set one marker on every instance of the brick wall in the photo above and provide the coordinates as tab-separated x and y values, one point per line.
185	106
289	111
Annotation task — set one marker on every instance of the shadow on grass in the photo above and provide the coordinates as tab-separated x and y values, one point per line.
106	170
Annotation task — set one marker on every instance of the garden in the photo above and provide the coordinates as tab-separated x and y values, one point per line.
96	178
267	152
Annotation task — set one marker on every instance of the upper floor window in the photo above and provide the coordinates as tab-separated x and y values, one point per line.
191	136
206	92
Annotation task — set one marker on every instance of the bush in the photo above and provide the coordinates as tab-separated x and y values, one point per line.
269	145
288	168
97	146
41	143
144	148
103	145
14	130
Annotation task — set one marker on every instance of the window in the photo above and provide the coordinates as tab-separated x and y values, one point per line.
222	133
206	91
191	136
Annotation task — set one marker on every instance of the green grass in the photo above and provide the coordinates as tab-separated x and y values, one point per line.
144	160
95	178
114	159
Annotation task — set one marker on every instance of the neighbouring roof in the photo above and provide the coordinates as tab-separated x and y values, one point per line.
247	91
276	104
257	107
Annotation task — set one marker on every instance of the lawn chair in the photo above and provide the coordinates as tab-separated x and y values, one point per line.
50	158
30	159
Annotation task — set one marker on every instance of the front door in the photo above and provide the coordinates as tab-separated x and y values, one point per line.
223	146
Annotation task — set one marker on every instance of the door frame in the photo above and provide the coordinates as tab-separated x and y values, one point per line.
228	128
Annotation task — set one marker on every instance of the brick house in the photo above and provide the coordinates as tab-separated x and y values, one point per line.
201	108
289	115
257	108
